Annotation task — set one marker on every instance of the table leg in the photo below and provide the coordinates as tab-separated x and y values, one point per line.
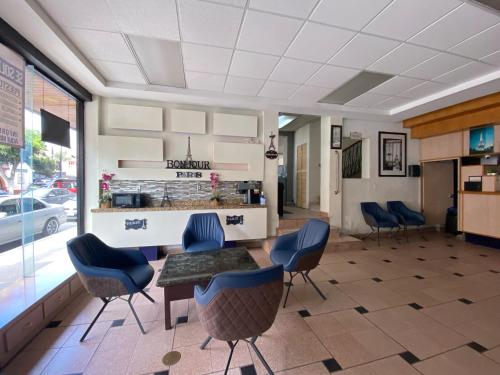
168	324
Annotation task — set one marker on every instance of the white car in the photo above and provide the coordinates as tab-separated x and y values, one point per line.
71	208
38	216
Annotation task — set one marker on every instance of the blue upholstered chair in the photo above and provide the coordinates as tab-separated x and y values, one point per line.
240	306
203	232
109	273
299	252
406	216
376	217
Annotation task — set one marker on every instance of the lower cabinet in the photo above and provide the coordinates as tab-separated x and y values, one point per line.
19	332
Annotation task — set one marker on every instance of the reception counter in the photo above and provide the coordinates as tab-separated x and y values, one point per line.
157	226
480	213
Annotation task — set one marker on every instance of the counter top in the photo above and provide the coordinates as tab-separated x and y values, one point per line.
200	205
480	192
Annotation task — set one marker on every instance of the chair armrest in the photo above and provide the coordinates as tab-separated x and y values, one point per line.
220	237
187	238
370	219
286	242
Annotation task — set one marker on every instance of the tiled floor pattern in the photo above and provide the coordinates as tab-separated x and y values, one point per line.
424	307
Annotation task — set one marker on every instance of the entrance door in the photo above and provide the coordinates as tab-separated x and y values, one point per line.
438	190
302	175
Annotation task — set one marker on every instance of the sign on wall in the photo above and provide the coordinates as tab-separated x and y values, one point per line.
11	98
136	224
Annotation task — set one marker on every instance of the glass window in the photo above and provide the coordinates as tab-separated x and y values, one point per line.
35	246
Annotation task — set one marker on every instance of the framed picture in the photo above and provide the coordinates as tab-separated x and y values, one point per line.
336	137
481	140
392	154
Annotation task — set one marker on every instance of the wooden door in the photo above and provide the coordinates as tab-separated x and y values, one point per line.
302	176
437	190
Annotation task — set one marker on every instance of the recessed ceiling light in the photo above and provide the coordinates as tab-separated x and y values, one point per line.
159	59
356	86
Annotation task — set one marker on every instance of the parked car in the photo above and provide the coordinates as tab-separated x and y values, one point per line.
65	183
71	208
46	217
57	196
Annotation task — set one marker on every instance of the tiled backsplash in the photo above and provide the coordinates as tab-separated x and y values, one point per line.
177	190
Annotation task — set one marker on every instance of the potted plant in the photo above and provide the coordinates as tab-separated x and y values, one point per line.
105	198
216	196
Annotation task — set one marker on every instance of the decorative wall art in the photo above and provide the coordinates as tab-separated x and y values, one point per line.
392	154
336	137
271	152
481	140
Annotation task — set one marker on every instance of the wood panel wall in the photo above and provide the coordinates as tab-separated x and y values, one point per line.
456	118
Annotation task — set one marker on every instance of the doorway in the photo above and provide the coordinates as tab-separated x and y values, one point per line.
439	190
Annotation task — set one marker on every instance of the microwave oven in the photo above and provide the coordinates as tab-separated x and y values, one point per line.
127	200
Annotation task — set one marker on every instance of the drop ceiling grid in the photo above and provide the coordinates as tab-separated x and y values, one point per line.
373	22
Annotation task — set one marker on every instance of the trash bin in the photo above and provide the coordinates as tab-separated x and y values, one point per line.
451	221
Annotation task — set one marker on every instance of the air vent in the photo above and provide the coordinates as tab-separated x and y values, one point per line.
160	60
353	88
492	4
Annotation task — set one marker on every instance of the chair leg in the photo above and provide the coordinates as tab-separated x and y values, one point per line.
135	314
369	234
256	350
378	236
205	343
421	234
314	285
288	290
106	301
305	279
147	296
232	346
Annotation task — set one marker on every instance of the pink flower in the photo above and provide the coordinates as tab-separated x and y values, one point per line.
105	186
107	176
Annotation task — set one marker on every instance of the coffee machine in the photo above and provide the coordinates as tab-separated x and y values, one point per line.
251	191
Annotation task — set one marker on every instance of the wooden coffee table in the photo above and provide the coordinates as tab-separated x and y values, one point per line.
181	272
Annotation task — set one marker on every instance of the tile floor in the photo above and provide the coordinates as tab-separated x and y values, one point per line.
423	307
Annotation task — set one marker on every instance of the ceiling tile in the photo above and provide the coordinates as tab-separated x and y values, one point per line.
353	14
494	58
101	45
243	86
294	8
89	14
152	18
392	103
236	3
267	33
402	58
310	94
317	42
252	65
208	23
277	90
205	81
466	73
437	65
331	76
458	25
294	71
367	100
404	18
396	85
362	51
119	72
424	89
206	59
484	43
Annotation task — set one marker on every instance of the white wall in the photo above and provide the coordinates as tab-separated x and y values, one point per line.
374	188
314	162
175	144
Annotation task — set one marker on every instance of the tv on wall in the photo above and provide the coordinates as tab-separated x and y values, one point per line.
481	140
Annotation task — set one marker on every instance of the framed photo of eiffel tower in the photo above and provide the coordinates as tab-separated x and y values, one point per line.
481	140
